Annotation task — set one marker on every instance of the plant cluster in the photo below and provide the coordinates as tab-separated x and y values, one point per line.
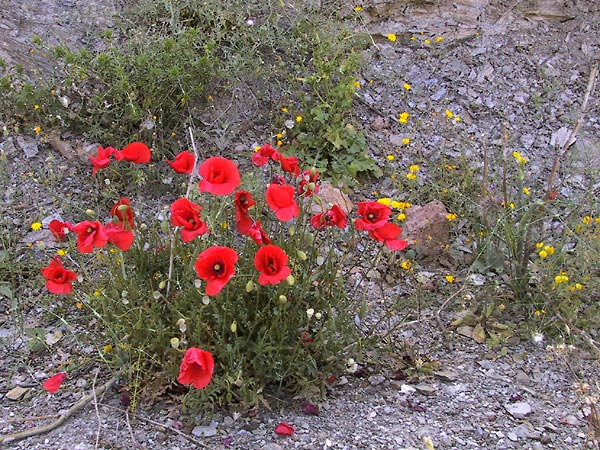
243	282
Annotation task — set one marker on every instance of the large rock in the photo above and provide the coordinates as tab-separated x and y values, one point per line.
427	228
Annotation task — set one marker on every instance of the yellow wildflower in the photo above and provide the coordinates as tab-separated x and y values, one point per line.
561	278
439	39
357	8
406	264
299	119
279	143
35	226
543	254
79	305
357	84
501	307
391	37
457	119
284	110
519	157
451	216
539	245
526	191
406	141
587	220
411	176
108	348
578	286
401	217
449	114
390	157
37	129
403	117
413	168
449	278
61	252
36	107
549	249
427	41
173	134
407	86
384	201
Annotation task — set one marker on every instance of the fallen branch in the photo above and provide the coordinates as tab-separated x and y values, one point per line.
63	418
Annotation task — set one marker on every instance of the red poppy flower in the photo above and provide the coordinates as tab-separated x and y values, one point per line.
271	262
58	279
309	183
119	236
374	215
243	201
290	165
59	229
196	368
389	234
187	215
220	176
53	383
258	235
183	163
102	158
136	152
90	235
216	266
263	154
123	211
334	217
280	199
284	428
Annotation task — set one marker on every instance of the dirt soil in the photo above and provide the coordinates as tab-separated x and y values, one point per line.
515	67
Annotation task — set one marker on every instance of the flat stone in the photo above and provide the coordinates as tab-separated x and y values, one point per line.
16	393
205	430
519	410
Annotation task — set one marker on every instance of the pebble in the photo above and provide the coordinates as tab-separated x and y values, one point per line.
519	410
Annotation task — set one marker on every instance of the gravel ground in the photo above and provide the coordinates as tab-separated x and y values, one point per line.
502	67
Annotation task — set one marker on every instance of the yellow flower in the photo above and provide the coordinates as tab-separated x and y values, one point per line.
457	119
539	245
37	129
427	41
79	305
439	39
357	8
451	216
36	107
413	168
173	134
543	254
279	135
561	278
279	143
406	141
108	348
450	167
406	264
587	220
36	226
449	114
61	252
390	157
299	119
97	293
411	176
403	117
449	278
284	110
401	217
549	249
384	201
393	176
578	286
407	86
526	191
519	157
401	205
391	37
357	84
501	307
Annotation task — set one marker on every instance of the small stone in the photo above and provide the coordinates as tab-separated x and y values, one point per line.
522	377
427	389
28	145
518	410
271	446
16	393
376	380
205	430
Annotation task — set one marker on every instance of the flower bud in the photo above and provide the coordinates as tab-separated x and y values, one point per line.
292	230
310	312
311	186
197	283
162	284
233	326
206	300
313	172
107	181
123	207
156	295
301	255
90	212
282	299
318	316
174	342
249	286
290	280
181	324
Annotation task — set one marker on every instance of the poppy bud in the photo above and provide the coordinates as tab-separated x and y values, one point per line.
174	342
233	326
282	299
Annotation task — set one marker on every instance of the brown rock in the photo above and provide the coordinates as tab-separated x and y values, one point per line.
427	229
329	196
